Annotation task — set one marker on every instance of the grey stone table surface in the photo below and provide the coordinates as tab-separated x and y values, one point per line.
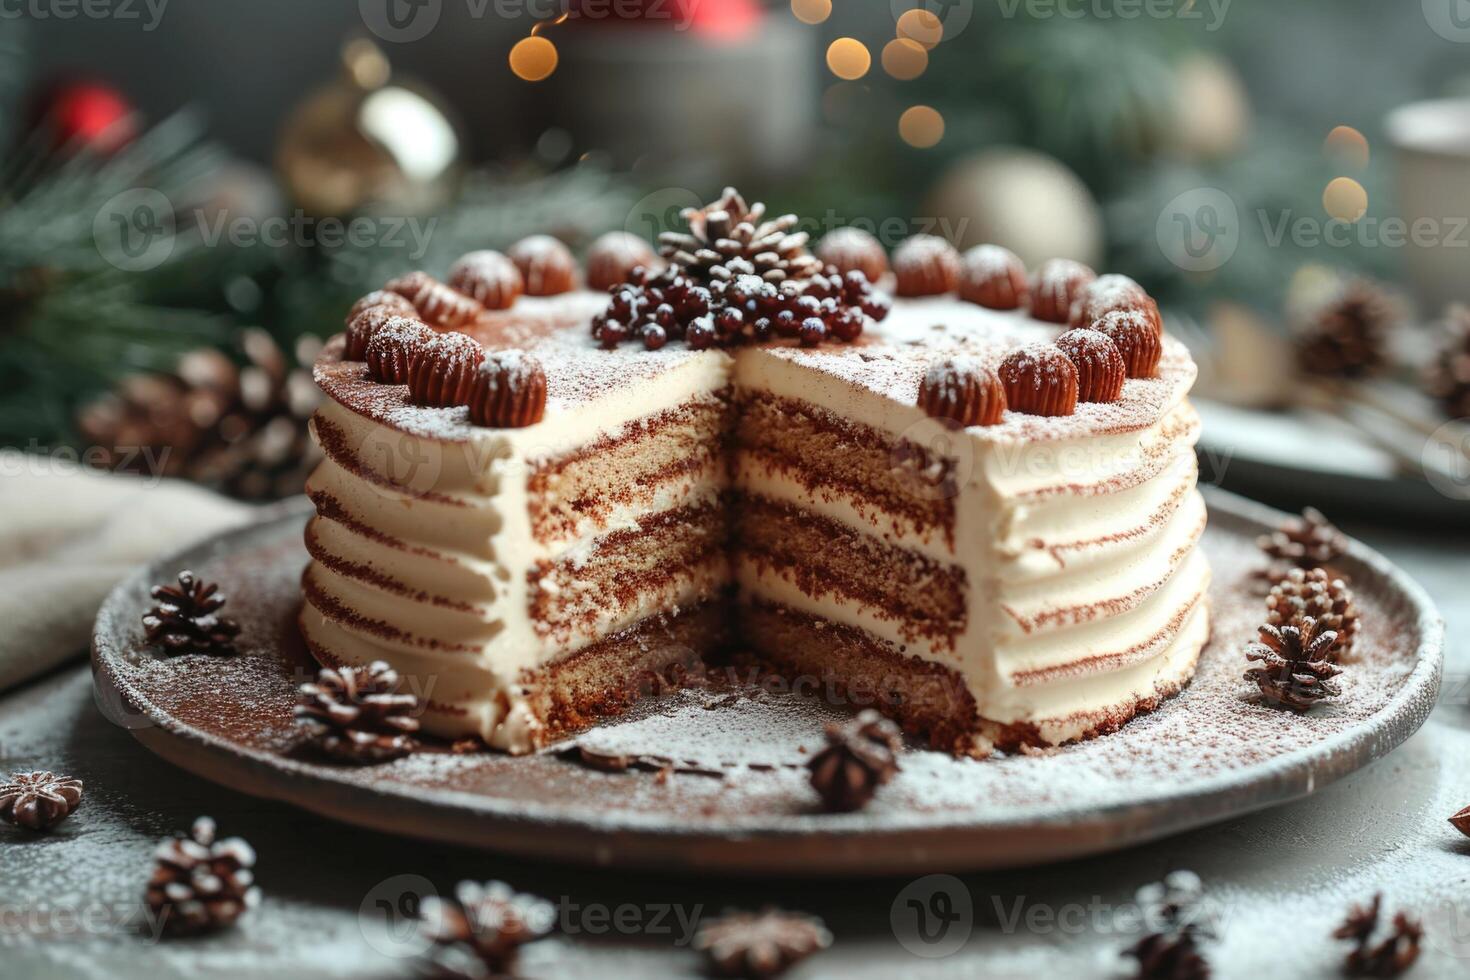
336	897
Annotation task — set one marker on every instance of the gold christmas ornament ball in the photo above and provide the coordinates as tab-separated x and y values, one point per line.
361	141
1029	202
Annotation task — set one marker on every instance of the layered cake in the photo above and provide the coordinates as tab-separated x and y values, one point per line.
548	491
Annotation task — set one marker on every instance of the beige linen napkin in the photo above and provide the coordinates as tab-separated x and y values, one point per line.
68	534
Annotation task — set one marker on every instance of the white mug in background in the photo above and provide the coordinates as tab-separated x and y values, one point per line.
1431	143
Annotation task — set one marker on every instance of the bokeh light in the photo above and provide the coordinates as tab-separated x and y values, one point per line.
921	126
904	58
811	11
1345	199
1348	147
848	58
533	58
922	26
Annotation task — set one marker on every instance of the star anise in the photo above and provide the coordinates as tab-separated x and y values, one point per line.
729	238
200	884
479	932
1302	593
185	618
860	756
1297	664
1165	957
355	714
1461	821
760	944
38	800
1310	541
1389	957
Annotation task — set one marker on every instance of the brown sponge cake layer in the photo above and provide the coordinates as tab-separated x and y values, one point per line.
608	677
860	670
616	570
627	468
826	558
823	451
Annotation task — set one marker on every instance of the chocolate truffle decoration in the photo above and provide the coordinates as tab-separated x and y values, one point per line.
509	391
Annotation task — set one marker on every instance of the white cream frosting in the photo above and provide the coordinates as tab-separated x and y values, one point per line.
1076	536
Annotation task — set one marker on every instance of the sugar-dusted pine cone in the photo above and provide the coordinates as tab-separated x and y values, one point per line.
729	238
1448	378
38	800
1297	664
760	944
1389	957
1165	957
860	756
185	618
1309	541
200	884
1346	335
1177	920
1314	593
355	714
479	932
234	420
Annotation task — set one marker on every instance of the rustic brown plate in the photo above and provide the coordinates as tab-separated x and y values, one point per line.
737	801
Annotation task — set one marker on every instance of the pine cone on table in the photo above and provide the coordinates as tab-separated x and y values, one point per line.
185	618
238	428
729	238
1302	593
760	944
1448	378
356	715
38	800
1346	336
860	756
479	932
1175	909
199	884
1298	663
1390	957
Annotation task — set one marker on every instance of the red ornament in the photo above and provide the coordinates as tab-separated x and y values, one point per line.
87	115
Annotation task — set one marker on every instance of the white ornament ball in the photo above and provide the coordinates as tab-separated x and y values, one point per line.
1029	202
1212	112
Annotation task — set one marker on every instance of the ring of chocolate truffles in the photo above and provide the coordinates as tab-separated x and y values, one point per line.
393	347
960	389
847	249
488	277
1101	370
926	265
1136	339
546	265
1040	379
1055	286
437	304
1110	293
367	323
993	277
380	298
509	391
442	372
614	255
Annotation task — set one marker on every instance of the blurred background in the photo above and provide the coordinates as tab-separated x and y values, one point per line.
193	191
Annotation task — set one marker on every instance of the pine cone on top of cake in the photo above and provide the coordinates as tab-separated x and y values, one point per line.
930	495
